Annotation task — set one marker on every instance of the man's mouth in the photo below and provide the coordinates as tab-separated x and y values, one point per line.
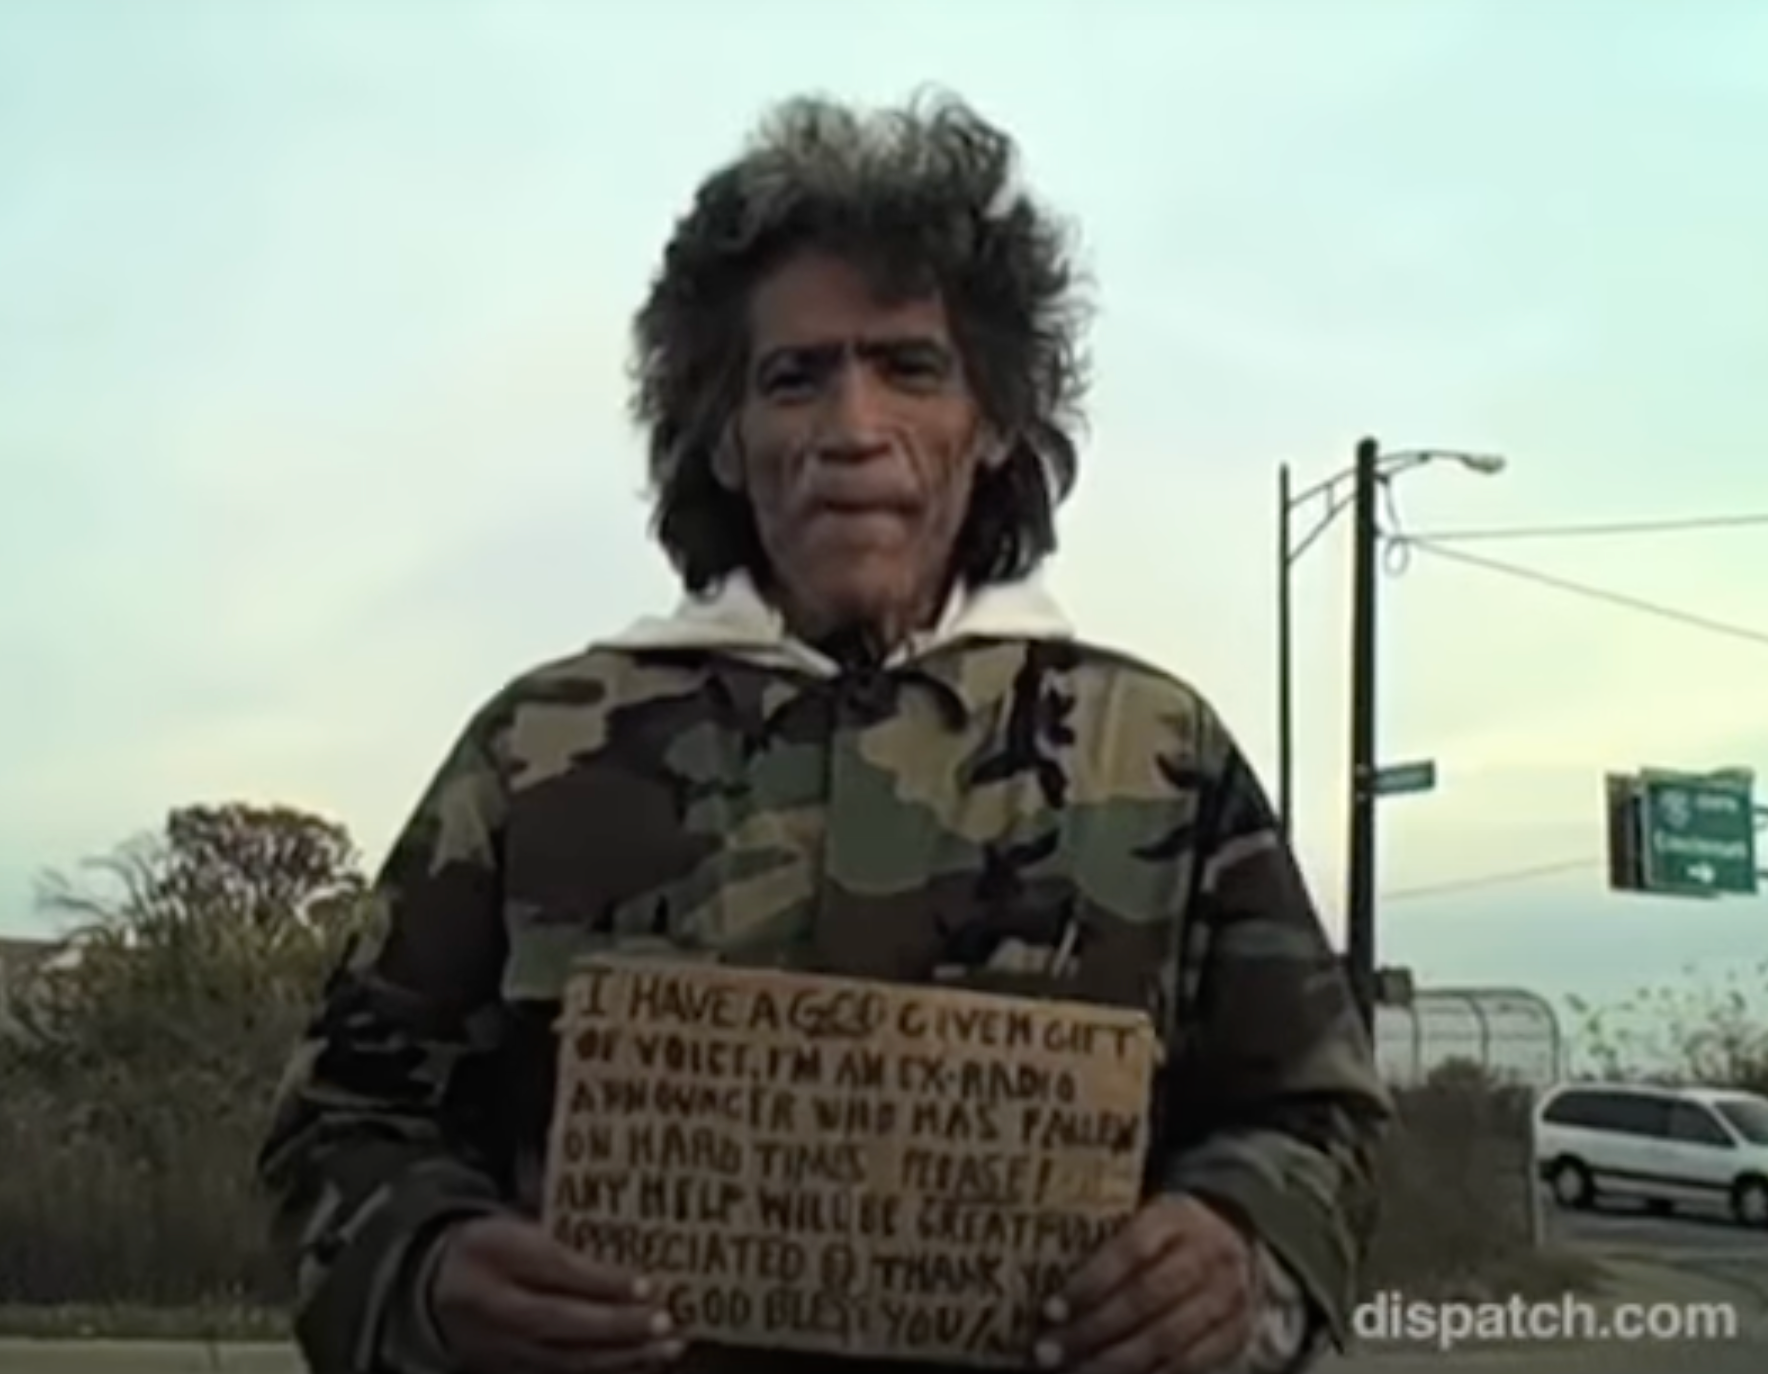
854	507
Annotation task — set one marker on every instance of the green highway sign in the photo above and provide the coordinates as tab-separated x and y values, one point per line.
1398	779
1697	834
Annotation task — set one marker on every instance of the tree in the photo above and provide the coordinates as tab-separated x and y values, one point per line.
136	1101
197	949
236	865
1692	1032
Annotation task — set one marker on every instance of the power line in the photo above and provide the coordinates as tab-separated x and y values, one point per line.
1611	529
1498	878
1690	619
1434	542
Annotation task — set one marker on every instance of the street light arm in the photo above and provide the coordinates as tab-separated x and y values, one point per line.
1485	464
1393	464
1328	487
1336	502
1336	487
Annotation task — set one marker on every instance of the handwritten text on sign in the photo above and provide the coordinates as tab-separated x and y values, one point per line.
823	1164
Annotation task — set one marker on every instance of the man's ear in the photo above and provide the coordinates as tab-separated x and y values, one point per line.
995	450
727	460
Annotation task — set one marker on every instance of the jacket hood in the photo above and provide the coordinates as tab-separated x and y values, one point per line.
735	619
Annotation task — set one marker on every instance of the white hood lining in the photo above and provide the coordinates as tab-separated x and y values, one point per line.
736	619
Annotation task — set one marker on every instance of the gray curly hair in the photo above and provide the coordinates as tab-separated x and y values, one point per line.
923	197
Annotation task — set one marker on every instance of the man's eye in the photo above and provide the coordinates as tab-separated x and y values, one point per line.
788	381
917	369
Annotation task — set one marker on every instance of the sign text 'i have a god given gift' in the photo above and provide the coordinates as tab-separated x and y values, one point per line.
824	1164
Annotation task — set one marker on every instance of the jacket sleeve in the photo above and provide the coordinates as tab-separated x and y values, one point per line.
372	1148
1274	1108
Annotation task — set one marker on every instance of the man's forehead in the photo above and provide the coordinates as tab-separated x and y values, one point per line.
819	300
832	342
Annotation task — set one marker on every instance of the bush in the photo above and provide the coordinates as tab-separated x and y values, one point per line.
1457	1210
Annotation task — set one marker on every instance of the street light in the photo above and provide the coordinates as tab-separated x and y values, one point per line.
1355	486
1336	492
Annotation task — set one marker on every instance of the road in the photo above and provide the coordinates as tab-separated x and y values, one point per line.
1684	1260
1683	1232
117	1357
1680	1258
1711	1245
1676	1259
1705	1358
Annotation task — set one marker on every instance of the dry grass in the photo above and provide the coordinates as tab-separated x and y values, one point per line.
162	1214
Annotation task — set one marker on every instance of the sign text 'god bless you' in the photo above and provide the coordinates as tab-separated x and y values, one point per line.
812	1163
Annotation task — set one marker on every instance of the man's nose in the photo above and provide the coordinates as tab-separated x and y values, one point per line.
854	424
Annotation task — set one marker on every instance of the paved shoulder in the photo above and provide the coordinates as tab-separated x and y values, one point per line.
145	1357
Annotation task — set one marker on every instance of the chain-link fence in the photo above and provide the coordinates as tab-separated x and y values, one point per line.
1507	1036
1511	1033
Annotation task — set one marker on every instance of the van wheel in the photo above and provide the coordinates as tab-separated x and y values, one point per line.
1571	1185
1749	1201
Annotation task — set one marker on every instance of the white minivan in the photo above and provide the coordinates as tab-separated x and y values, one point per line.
1659	1145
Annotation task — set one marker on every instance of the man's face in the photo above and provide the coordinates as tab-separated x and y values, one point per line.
857	445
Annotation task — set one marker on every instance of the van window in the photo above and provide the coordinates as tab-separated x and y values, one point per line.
1623	1112
1569	1109
1694	1124
1748	1116
1639	1114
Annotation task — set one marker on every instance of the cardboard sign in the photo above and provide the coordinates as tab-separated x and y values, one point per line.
822	1164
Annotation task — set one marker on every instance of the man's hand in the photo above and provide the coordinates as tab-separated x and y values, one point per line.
1174	1292
508	1299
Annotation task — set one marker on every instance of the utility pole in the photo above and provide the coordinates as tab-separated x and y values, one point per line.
1360	870
1285	687
1371	468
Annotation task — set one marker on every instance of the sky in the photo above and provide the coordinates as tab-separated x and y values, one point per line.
312	392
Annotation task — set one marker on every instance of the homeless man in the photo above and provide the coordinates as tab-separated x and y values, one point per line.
868	744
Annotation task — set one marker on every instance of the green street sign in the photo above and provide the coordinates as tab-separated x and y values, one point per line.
1398	779
1697	834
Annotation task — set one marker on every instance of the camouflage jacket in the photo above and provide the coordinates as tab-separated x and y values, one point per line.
996	789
